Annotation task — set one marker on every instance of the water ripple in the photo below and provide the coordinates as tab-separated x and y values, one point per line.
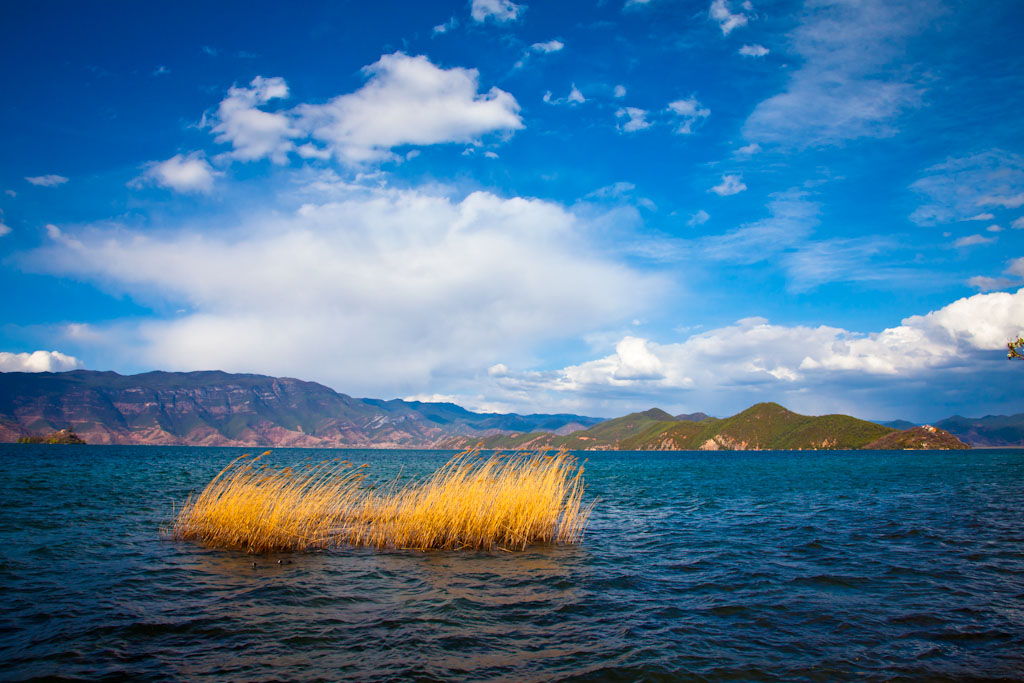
705	567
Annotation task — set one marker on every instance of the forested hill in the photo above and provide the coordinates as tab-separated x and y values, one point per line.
765	426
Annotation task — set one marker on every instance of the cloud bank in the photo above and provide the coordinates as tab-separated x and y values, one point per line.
38	361
376	290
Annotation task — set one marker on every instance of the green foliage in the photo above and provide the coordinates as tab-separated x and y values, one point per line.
766	426
1015	349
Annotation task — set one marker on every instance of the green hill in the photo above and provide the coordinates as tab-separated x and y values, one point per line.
765	426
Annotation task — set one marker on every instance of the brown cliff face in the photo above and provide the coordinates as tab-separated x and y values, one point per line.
222	409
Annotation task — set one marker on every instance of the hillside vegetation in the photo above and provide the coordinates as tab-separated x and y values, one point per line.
765	426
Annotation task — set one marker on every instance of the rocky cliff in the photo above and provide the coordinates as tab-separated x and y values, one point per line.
222	409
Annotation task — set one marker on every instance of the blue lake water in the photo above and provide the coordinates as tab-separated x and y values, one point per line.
762	566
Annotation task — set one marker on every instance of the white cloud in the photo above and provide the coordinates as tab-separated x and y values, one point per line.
619	91
973	240
699	218
1016	267
792	219
409	101
376	290
539	48
446	26
957	188
548	47
575	96
754	50
254	133
844	88
1018	224
987	284
10	193
731	184
613	191
182	173
498	10
727	21
994	228
37	361
4	229
636	119
689	111
747	151
755	360
50	180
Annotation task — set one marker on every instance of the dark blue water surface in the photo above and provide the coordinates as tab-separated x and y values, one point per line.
719	566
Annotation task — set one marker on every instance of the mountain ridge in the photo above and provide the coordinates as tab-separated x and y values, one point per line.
214	408
763	426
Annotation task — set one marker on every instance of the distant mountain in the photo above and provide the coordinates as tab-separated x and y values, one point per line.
765	426
693	417
897	424
221	409
991	431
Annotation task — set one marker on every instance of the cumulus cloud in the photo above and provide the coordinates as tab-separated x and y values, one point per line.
405	101
38	361
1018	224
753	51
181	173
575	96
409	101
844	88
376	290
619	91
727	20
636	119
251	131
731	184
497	10
689	111
959	187
754	359
50	180
4	229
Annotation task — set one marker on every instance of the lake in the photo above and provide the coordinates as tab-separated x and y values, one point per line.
759	566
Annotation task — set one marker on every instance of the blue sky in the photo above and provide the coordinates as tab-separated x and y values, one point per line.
589	207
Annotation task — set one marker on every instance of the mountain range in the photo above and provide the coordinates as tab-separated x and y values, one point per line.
765	426
214	408
221	409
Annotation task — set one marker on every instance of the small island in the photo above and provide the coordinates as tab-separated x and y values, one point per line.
61	436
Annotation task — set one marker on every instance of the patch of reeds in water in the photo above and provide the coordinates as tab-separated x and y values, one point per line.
472	502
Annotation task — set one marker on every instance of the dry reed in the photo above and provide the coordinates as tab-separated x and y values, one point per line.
471	502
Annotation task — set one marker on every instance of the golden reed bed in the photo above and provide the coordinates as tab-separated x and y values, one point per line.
472	502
